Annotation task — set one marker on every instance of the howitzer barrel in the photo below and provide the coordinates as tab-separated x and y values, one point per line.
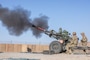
51	33
39	28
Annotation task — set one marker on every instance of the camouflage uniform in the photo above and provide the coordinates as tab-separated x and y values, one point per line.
73	43
83	40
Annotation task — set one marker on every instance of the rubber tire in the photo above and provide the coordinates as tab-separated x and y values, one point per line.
56	47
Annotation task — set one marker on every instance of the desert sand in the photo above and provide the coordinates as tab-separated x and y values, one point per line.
62	56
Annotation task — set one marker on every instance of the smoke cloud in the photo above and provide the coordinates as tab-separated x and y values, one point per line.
18	21
41	22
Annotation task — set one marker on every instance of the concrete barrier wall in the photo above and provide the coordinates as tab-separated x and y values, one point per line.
9	47
22	47
3	47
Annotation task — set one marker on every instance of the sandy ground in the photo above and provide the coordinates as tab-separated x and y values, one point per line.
62	56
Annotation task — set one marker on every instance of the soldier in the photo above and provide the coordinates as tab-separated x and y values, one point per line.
73	43
84	41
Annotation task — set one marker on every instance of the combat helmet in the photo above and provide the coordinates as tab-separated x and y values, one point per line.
74	33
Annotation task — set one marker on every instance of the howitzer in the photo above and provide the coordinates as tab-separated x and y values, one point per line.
62	38
51	33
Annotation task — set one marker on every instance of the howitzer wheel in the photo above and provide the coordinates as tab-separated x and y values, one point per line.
55	46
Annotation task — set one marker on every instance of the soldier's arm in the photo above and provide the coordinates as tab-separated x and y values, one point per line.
86	39
75	40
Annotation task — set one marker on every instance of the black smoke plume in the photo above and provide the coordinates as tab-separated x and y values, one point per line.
40	22
18	21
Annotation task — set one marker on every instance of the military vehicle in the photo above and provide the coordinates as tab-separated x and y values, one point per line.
61	39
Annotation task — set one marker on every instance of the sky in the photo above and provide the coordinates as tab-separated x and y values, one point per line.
71	15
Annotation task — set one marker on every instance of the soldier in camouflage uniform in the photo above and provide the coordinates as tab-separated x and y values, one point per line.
84	41
73	43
